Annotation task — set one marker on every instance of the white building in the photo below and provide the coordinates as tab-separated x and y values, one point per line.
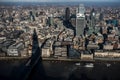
86	56
45	52
108	47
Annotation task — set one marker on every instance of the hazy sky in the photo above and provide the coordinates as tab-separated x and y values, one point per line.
53	0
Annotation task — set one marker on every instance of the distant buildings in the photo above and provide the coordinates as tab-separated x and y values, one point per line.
95	30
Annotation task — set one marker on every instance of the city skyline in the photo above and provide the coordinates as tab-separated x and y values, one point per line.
59	40
59	0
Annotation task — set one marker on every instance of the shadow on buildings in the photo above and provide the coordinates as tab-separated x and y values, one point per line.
69	25
25	72
38	69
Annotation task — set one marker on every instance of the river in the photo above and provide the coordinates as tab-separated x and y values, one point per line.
57	70
61	70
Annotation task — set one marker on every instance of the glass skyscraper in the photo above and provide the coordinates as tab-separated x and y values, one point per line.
80	20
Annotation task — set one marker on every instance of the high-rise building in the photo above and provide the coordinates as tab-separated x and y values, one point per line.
50	20
81	9
101	17
92	21
80	20
67	14
32	17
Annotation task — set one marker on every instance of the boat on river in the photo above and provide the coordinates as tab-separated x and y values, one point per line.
89	65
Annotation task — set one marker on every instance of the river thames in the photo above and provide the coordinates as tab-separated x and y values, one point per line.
57	70
62	70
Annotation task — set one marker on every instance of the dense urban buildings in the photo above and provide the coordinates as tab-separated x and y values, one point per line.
96	30
59	33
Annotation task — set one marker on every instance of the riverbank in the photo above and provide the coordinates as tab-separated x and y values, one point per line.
79	60
13	58
64	59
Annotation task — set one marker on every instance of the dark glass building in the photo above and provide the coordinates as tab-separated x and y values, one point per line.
67	14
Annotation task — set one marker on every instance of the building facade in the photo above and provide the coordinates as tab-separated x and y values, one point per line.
80	20
67	14
92	21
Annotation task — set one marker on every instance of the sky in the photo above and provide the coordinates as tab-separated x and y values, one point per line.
58	0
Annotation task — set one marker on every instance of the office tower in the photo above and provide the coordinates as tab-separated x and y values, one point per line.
81	9
101	17
67	14
80	20
92	21
32	17
50	20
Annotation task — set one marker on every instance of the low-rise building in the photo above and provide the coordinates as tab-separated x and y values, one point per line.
15	49
60	51
108	47
107	54
6	44
86	56
45	52
92	46
29	50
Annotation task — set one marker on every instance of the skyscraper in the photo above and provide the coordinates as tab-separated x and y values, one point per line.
67	14
92	21
50	20
80	20
32	17
101	17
